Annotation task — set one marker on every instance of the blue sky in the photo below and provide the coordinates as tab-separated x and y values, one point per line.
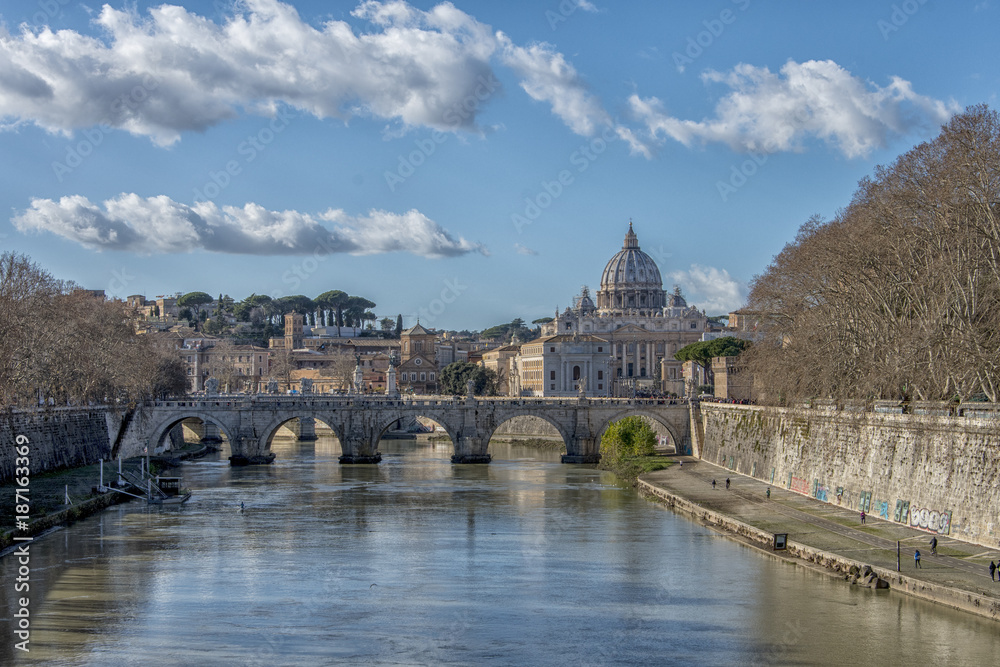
469	162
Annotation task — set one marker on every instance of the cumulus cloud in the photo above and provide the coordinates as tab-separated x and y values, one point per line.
171	71
710	289
548	77
155	225
175	71
771	112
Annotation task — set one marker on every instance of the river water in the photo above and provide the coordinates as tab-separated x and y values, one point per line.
523	561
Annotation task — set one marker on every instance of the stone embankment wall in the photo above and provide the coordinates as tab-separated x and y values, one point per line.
59	438
936	473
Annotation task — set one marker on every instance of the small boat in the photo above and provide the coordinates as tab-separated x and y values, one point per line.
169	492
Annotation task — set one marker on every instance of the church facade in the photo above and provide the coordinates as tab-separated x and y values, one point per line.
643	325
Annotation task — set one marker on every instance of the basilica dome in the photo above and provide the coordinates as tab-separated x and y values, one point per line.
631	279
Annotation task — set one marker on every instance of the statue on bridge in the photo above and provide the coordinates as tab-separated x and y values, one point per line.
211	387
305	385
391	388
272	386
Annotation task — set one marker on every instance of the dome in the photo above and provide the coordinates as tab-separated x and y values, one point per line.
631	265
631	279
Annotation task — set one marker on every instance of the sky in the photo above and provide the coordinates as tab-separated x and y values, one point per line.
466	163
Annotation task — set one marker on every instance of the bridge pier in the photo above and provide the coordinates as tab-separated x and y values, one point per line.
582	450
210	433
246	450
304	428
359	447
471	449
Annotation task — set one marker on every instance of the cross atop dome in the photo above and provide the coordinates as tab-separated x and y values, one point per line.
631	240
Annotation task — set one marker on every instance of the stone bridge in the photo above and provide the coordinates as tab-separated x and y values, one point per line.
250	422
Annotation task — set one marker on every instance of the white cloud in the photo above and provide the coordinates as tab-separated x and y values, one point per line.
524	250
548	77
173	71
771	112
710	289
155	225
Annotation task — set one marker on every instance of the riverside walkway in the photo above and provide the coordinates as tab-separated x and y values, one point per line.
832	536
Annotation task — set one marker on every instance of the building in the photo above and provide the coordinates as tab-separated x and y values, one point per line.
642	324
503	361
562	365
329	362
418	366
732	381
239	368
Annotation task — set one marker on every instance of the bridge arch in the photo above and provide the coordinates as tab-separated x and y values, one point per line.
158	434
432	414
505	416
268	432
638	411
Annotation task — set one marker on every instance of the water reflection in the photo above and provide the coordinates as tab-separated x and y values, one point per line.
418	561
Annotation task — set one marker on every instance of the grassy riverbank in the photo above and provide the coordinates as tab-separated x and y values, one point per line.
628	469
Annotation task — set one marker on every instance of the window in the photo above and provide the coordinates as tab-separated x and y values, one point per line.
600	386
413	377
552	376
190	372
552	349
694	325
423	377
432	377
600	375
552	387
600	349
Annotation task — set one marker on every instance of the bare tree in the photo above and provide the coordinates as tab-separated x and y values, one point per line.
898	296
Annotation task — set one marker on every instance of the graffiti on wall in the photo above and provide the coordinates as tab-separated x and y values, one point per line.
882	509
902	514
820	491
931	520
798	485
865	501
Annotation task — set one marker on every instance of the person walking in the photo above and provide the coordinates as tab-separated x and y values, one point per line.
862	517
768	493
727	483
713	484
993	569
916	557
934	546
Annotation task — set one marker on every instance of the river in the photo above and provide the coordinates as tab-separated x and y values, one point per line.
523	561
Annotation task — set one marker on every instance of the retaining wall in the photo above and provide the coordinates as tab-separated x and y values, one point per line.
936	473
58	438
